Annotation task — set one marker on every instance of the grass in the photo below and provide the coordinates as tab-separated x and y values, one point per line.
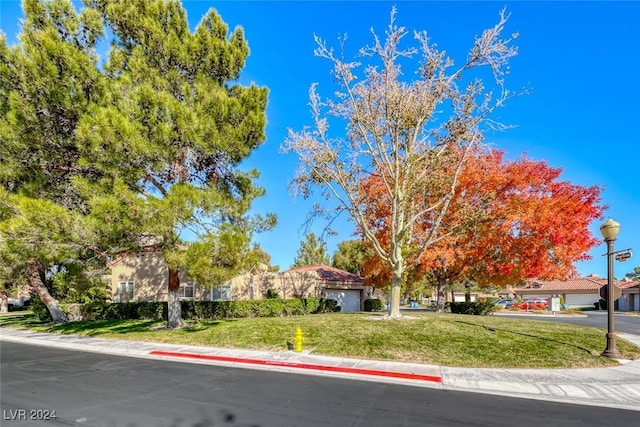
440	339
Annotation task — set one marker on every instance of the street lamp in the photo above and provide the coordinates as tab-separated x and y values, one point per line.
610	231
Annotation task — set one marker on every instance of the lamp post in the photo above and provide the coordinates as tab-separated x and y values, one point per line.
610	231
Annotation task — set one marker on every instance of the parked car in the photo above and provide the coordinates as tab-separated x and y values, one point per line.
504	303
533	304
19	302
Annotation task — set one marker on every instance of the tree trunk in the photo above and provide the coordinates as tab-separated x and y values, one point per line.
394	304
440	295
174	311
37	284
4	301
467	294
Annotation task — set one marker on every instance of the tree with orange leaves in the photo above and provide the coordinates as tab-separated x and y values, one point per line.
508	221
408	130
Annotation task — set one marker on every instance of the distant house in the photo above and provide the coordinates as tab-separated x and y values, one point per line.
581	291
144	276
630	299
312	281
346	288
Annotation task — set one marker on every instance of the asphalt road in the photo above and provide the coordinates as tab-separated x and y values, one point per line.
97	390
598	319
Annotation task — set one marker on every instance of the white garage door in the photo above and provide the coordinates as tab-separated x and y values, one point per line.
577	300
348	300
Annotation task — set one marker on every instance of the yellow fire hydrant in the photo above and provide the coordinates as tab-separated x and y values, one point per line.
297	340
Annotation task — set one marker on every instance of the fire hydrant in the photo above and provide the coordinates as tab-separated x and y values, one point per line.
297	340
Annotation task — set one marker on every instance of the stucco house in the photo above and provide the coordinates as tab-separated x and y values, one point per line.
144	276
581	291
329	282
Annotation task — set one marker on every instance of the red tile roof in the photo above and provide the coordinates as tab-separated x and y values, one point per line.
573	284
328	273
626	284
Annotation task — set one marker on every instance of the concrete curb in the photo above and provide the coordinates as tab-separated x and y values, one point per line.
304	366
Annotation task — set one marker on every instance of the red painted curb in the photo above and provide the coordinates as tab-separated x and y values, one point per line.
310	366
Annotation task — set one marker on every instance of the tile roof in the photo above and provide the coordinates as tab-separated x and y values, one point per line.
328	273
575	284
626	284
590	283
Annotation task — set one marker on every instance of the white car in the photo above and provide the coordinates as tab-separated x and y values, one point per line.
18	302
504	303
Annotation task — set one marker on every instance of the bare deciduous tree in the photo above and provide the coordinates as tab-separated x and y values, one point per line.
414	133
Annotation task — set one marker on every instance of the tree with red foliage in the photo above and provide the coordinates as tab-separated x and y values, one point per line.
508	221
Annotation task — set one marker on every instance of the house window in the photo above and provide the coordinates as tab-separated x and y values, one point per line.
125	291
187	291
221	293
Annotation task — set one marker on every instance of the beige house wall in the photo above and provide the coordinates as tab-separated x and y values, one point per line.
287	285
150	275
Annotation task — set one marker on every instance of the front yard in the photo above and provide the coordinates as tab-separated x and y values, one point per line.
441	339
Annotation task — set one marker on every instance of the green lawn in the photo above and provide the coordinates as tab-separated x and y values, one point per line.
441	339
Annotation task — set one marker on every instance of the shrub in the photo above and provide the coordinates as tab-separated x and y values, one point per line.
134	310
603	304
479	308
40	310
373	304
326	306
93	310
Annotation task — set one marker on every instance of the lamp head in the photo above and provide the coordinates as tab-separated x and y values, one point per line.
610	229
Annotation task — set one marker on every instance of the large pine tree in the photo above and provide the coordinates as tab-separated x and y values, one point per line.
172	132
102	157
47	82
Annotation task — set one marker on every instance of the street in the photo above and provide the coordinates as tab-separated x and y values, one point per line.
597	319
97	390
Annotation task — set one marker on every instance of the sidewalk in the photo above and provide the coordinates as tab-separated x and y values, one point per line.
617	387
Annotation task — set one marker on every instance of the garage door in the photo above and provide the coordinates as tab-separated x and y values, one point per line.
348	300
577	300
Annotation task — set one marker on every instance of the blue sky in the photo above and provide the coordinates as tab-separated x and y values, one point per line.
581	61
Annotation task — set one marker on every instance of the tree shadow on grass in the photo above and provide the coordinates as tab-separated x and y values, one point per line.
546	339
104	327
18	319
101	327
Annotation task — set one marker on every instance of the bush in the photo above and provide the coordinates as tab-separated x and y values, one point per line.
129	310
40	310
373	304
326	306
603	304
479	308
94	310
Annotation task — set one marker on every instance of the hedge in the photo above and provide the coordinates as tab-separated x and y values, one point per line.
480	308
198	309
373	304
